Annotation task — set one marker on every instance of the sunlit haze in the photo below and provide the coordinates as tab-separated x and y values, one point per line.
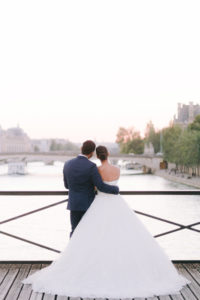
82	69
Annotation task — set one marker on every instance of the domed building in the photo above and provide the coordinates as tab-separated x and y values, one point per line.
14	140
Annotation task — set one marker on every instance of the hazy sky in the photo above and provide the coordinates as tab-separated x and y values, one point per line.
80	69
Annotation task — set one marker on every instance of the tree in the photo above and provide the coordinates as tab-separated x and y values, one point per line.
135	146
182	146
124	135
53	146
196	124
171	135
151	136
187	149
67	146
130	141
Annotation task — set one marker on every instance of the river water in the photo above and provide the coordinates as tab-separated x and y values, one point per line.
51	227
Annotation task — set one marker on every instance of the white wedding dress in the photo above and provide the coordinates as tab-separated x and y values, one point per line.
110	255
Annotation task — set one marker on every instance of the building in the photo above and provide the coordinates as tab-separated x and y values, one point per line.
41	145
14	140
1	139
186	113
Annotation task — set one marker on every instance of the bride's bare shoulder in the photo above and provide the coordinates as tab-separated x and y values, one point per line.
109	172
117	169
99	169
109	169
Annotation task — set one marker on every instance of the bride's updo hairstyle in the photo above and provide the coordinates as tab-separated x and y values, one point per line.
102	153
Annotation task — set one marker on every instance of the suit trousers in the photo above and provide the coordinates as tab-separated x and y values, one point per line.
75	217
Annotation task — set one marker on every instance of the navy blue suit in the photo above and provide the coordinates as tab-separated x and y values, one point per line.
80	177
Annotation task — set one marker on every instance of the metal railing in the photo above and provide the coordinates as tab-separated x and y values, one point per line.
65	193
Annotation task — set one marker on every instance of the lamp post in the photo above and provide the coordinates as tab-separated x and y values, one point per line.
161	140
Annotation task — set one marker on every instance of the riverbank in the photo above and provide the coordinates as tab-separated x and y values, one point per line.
180	178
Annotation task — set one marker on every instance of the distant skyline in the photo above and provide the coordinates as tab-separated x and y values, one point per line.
79	141
81	69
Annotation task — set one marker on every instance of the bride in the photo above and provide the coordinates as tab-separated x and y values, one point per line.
110	254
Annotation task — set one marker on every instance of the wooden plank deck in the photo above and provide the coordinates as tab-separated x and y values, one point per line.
12	289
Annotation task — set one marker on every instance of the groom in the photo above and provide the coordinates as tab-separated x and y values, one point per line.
81	176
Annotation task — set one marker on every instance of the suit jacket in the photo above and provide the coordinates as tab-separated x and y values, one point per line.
80	177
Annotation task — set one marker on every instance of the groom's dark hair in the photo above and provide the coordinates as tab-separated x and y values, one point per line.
88	147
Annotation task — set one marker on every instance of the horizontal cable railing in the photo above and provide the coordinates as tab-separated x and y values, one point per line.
64	193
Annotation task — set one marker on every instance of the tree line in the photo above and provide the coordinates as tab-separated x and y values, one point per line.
180	146
130	140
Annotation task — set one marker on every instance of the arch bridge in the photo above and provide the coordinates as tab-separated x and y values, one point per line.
150	163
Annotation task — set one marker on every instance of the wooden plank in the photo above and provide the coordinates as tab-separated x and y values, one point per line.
49	297
17	284
191	291
9	279
4	268
45	265
196	266
26	288
195	277
187	293
11	276
167	297
177	297
36	296
193	272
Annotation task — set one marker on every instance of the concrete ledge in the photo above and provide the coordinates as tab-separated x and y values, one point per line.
194	182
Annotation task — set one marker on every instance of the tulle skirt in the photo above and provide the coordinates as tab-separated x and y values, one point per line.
110	255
